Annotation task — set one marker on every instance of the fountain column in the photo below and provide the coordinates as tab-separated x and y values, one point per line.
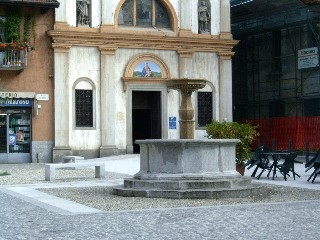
186	112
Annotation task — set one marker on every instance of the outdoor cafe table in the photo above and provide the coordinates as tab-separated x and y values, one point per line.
276	156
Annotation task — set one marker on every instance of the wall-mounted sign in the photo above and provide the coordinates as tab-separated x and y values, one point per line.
42	97
17	94
308	58
15	102
172	122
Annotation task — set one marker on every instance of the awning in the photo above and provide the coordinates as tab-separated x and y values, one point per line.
17	94
32	3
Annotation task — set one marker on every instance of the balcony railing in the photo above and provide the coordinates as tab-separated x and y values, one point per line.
13	59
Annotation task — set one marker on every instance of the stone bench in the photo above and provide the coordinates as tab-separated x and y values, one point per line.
50	169
70	159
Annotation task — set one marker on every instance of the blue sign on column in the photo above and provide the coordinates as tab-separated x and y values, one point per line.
172	122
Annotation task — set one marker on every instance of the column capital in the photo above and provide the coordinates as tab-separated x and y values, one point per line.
107	50
61	48
185	53
225	55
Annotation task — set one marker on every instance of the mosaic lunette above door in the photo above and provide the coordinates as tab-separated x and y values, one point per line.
147	69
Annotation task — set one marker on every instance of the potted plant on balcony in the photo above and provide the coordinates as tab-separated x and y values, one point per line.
12	25
245	132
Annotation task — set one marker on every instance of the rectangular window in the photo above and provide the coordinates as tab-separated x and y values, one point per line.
312	107
277	51
276	108
204	108
84	108
126	15
144	12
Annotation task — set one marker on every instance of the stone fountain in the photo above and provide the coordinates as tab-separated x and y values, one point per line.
186	113
186	168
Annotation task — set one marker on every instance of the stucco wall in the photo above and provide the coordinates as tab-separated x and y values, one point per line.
104	61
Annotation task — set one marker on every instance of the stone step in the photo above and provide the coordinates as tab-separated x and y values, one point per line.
240	192
187	184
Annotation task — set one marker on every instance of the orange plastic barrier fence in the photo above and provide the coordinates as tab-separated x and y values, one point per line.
296	131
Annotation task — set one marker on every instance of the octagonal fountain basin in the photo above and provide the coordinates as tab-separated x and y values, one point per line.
187	169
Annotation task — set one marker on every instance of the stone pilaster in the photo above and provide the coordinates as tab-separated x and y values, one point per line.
185	18
225	87
107	16
185	64
61	101
61	12
225	25
108	103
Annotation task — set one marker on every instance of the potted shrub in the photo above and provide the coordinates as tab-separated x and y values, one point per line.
245	132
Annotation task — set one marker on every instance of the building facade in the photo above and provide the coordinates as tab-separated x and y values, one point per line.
276	70
111	62
26	81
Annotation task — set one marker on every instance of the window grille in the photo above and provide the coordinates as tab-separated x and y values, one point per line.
84	108
204	108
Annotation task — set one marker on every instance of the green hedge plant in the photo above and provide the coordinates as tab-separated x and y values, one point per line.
245	132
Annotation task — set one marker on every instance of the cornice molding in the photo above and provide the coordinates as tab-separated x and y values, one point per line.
111	40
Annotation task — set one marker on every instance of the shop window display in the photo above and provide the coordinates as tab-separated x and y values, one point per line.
19	133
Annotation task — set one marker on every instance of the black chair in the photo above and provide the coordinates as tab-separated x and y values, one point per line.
259	160
310	163
288	166
316	171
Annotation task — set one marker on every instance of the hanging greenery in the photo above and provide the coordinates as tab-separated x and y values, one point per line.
27	28
12	24
15	36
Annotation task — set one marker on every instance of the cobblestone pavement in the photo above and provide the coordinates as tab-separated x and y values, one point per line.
29	214
21	219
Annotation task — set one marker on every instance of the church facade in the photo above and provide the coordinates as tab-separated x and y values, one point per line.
111	62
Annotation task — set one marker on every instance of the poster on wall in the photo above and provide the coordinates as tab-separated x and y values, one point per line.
308	58
12	139
20	135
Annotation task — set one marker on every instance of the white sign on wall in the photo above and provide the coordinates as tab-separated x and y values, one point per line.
308	58
42	97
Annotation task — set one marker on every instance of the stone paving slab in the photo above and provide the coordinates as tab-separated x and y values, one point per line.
293	220
49	201
25	216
